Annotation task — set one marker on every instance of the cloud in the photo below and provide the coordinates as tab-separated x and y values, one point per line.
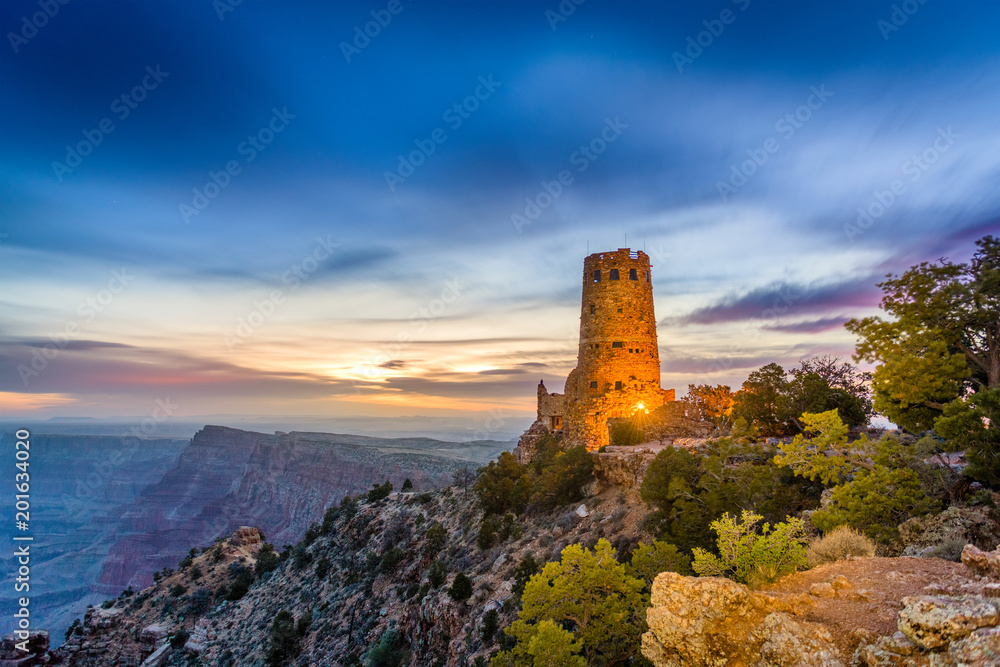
809	326
780	298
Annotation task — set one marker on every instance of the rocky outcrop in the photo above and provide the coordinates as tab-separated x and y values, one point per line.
945	630
936	535
626	466
933	622
983	563
35	647
710	621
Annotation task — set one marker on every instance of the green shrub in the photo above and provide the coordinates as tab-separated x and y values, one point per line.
348	507
200	600
322	568
525	570
840	543
390	651
688	492
626	434
589	591
752	557
436	539
648	560
329	517
390	559
242	577
74	629
876	502
267	560
407	485
378	493
303	624
561	480
179	639
491	622
283	646
884	487
312	534
178	590
487	533
496	482
302	557
461	588
437	574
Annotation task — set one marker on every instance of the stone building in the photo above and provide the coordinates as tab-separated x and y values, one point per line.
618	363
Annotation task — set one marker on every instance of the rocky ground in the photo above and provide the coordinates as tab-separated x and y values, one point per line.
360	596
865	612
362	582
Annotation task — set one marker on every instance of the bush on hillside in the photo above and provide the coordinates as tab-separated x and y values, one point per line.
752	557
283	646
840	543
378	492
461	588
648	560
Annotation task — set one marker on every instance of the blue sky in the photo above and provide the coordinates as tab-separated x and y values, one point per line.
308	285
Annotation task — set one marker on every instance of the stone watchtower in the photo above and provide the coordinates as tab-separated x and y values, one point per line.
618	362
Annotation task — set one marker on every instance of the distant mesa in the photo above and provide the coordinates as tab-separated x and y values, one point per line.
618	363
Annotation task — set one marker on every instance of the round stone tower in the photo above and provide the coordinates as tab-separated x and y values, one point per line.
618	364
617	324
617	372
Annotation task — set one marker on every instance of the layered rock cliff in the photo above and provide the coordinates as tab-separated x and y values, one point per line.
109	511
80	485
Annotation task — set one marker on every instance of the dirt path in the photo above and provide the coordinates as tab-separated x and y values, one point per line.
868	609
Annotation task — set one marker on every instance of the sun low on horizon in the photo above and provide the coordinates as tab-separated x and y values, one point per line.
267	208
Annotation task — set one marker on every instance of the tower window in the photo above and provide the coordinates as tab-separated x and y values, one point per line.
593	308
597	276
619	310
647	276
556	423
593	384
630	350
633	274
618	384
617	343
614	274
